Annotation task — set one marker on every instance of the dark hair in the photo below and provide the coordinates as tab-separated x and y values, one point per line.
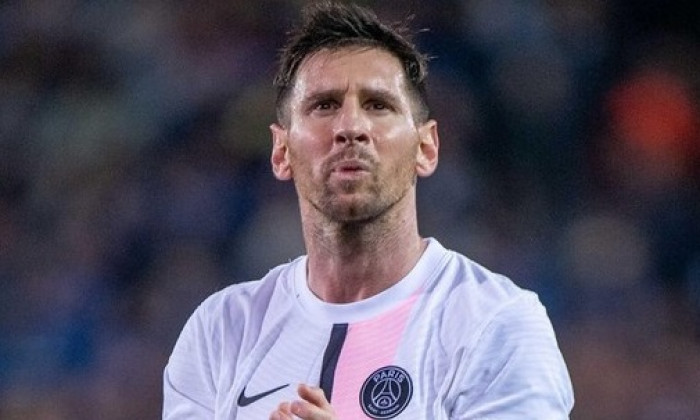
329	25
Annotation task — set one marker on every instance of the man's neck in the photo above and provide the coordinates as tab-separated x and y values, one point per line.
353	261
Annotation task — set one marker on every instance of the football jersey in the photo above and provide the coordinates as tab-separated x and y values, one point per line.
451	340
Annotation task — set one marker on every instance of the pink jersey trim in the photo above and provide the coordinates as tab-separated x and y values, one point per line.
369	345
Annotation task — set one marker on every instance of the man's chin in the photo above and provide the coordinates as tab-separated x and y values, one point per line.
352	211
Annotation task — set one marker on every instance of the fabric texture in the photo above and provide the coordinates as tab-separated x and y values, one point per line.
451	340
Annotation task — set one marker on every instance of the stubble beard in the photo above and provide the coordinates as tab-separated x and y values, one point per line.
354	204
348	203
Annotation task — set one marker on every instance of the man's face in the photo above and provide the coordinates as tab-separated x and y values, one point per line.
351	143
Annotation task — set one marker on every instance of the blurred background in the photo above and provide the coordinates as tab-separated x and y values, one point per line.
134	181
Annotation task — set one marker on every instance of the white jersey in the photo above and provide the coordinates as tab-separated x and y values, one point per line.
451	340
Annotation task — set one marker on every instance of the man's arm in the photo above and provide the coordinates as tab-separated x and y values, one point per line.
516	370
189	391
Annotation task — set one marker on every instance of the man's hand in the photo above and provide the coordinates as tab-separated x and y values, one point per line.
312	406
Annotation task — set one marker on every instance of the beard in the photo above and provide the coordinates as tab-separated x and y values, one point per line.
358	201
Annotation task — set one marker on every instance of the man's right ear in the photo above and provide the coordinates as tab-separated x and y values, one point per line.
280	153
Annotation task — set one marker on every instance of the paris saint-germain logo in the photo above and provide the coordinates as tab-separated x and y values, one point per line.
386	392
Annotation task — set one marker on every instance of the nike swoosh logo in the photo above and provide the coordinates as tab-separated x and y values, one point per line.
243	400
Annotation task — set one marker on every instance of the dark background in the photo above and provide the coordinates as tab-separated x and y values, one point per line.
135	180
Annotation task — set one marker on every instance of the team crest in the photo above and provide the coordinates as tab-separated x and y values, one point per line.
386	392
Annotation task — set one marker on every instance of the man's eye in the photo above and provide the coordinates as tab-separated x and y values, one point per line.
324	106
378	106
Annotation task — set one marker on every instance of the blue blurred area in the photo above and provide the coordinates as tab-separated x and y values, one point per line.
134	181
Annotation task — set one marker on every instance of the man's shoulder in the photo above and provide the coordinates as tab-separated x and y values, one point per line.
462	275
232	318
252	295
467	290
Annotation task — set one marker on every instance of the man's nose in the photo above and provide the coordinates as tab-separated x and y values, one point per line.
351	124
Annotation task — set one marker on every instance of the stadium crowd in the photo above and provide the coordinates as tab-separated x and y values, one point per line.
135	180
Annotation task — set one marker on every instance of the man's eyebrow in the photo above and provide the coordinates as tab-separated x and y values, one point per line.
321	95
373	93
384	95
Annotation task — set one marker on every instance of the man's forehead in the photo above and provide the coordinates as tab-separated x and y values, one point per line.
334	70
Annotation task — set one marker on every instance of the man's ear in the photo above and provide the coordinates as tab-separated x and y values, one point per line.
427	159
280	153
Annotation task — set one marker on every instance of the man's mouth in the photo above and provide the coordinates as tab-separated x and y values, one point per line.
349	170
350	166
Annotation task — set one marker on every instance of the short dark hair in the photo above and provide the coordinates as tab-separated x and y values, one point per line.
329	25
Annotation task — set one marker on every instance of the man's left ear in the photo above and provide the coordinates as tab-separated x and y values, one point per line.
427	159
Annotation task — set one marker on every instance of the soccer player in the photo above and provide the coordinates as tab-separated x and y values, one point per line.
375	321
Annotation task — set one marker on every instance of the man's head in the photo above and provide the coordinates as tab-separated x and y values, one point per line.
330	26
353	130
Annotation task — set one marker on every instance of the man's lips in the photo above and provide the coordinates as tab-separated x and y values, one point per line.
350	166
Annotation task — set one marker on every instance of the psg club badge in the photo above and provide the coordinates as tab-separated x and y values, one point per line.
386	392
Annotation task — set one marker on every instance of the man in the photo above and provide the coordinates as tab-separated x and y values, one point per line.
375	321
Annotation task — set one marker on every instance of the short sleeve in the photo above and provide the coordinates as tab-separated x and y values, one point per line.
515	370
189	390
